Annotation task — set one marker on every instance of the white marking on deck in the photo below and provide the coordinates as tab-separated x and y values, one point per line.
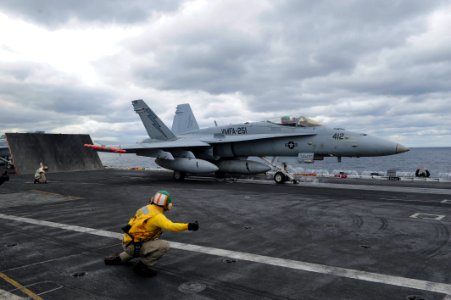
344	186
268	260
426	216
383	188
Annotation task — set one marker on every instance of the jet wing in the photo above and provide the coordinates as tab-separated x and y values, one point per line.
193	143
133	148
221	138
166	145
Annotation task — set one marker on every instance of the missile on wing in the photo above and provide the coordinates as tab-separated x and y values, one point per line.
104	148
189	165
242	166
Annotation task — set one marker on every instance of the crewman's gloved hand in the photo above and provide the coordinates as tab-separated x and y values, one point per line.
193	226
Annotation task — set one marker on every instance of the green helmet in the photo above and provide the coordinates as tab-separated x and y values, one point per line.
163	199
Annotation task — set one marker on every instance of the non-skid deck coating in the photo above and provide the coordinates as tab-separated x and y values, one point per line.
256	241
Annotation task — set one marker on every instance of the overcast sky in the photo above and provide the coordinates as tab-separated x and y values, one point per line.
381	67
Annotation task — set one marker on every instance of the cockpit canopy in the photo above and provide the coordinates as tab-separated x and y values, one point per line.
295	121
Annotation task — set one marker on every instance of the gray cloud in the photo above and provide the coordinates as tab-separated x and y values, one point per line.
33	105
295	44
55	13
359	64
76	100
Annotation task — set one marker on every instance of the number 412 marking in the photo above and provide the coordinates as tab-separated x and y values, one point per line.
338	136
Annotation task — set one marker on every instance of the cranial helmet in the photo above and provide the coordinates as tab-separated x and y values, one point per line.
162	199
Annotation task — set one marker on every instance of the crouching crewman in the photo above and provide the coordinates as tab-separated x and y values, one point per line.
40	174
142	235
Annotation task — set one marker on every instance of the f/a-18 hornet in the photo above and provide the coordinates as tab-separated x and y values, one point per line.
187	149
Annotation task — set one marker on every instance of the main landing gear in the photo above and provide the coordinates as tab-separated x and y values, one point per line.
282	174
279	177
282	177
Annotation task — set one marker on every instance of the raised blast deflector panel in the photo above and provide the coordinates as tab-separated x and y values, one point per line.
60	152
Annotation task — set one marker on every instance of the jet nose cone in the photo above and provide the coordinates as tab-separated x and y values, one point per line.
400	148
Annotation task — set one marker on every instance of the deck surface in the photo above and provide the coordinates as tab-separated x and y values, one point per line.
344	239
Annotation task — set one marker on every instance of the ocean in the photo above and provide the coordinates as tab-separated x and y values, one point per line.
436	160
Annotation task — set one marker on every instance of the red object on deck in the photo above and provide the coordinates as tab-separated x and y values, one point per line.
106	149
342	175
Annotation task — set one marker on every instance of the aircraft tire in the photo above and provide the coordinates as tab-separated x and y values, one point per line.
179	175
279	177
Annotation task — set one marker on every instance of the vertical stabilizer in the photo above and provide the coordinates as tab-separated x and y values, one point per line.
184	120
154	126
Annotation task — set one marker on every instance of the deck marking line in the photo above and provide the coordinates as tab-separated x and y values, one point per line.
350	186
426	216
268	260
20	287
76	228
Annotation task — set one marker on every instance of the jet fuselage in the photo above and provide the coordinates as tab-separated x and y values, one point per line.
320	140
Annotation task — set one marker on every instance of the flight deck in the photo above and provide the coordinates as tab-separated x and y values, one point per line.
332	239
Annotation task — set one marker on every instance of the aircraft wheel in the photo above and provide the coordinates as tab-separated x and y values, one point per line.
179	175
279	177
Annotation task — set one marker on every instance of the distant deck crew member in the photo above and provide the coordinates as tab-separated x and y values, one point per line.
142	235
39	175
422	172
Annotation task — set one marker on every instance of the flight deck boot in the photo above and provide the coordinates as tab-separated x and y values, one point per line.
114	259
143	270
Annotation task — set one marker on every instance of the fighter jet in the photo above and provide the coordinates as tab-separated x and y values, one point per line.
187	149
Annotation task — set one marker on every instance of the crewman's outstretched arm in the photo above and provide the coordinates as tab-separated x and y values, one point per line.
164	223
